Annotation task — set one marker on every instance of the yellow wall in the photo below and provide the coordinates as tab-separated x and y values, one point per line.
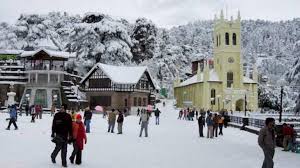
200	93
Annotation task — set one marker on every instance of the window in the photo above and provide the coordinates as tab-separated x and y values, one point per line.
144	102
125	103
234	39
100	100
229	79
99	83
140	102
227	38
217	43
219	39
135	101
213	96
41	97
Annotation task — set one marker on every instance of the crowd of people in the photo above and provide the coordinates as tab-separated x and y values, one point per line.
72	128
214	121
289	137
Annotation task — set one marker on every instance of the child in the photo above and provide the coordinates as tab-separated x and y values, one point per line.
79	137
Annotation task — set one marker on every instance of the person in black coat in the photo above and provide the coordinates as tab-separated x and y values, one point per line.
120	121
157	113
201	124
61	134
87	119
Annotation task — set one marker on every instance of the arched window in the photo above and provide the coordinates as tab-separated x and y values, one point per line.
227	38
213	96
229	79
234	39
219	39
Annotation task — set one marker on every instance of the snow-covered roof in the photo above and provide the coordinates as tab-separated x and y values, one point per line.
51	53
12	52
248	80
121	74
213	77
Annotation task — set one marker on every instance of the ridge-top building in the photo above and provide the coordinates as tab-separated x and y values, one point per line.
220	83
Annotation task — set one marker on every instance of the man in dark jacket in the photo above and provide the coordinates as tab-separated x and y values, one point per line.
87	119
201	124
266	140
157	113
61	134
120	120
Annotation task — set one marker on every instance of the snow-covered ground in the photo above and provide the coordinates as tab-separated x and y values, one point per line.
173	144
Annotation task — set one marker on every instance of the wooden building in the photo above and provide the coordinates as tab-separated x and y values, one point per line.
118	87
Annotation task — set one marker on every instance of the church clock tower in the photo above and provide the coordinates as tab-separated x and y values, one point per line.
227	51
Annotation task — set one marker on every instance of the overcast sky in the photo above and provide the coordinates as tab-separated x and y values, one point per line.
165	13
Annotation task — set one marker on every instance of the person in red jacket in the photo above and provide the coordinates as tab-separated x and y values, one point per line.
79	138
287	133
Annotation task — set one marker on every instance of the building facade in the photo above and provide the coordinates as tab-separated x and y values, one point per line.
118	87
48	82
220	83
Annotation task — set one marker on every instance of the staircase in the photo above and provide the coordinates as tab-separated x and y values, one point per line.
71	95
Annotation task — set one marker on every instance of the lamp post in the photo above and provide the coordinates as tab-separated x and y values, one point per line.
245	104
281	95
27	99
218	96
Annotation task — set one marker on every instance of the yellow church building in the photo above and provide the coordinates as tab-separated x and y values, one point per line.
220	83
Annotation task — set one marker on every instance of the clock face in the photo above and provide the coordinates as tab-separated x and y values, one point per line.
230	60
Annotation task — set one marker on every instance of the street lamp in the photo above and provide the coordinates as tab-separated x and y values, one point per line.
218	96
27	99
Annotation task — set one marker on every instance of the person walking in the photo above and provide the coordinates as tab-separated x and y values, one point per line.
61	133
111	121
138	112
12	117
41	111
210	124
37	111
180	114
287	136
201	124
157	113
266	140
27	109
120	120
87	119
33	113
79	139
144	120
216	125
221	123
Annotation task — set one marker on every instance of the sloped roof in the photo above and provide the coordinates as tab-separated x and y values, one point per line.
121	74
213	77
51	53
